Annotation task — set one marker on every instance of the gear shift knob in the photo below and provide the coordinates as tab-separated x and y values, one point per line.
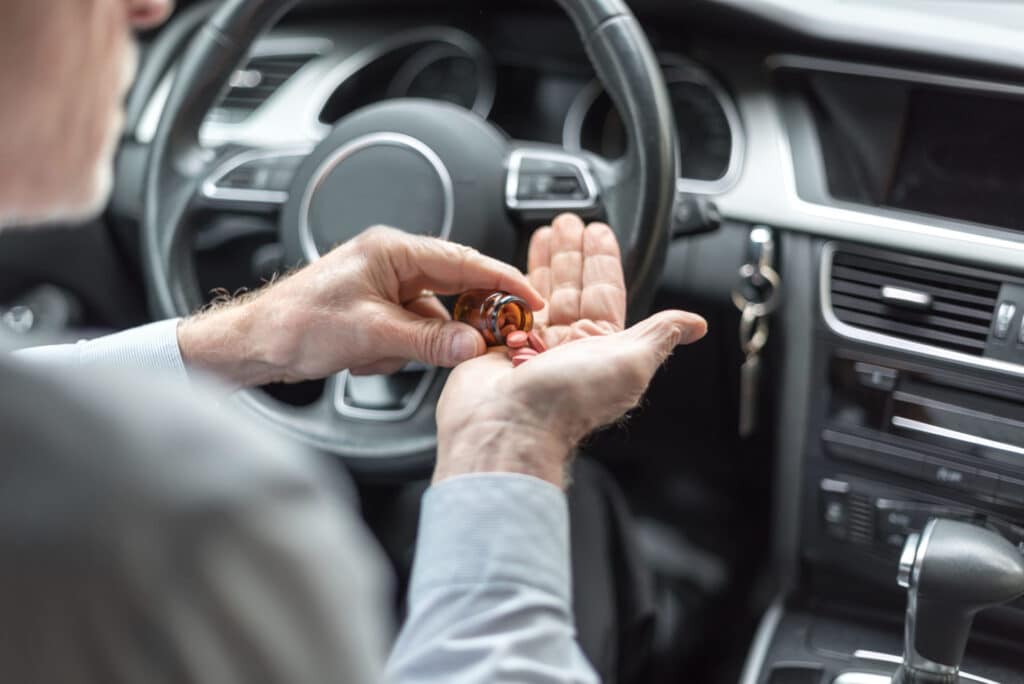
951	571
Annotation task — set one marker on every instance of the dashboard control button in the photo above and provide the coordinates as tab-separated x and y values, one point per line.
956	476
1003	320
874	454
876	377
835	508
895	520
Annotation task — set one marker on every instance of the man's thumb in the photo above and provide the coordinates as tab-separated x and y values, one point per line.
667	329
443	343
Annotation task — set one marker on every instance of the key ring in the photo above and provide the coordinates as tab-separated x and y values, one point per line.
771	277
753	331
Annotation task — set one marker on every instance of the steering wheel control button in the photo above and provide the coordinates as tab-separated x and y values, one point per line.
1004	320
255	176
549	180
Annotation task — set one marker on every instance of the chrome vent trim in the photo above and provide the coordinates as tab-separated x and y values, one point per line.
255	83
862	330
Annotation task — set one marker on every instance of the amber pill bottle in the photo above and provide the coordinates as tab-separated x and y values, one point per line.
494	314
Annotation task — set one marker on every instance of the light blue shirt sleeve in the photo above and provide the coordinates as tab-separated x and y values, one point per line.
153	348
490	599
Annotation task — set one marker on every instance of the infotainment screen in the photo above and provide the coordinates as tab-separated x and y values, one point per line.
963	157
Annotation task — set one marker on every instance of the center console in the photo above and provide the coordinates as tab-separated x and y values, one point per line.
914	378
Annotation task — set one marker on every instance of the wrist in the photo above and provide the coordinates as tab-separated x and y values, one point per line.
501	446
228	343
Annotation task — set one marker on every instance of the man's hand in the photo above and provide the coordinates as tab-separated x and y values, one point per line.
492	417
359	307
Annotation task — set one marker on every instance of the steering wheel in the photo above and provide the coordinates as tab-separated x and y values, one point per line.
420	165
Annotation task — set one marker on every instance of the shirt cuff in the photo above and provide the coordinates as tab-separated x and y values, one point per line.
488	528
152	347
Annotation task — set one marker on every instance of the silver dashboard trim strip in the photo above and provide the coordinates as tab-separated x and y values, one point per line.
910	398
836	66
758	652
767	193
879	339
955	435
864	654
862	678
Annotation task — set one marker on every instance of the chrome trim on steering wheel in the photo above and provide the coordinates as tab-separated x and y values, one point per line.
382	415
515	161
211	190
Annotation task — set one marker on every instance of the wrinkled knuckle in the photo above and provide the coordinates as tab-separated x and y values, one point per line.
437	344
464	253
375	236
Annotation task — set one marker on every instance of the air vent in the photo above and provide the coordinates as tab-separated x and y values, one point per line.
253	84
923	301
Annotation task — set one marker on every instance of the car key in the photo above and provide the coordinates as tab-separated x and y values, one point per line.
753	337
756	296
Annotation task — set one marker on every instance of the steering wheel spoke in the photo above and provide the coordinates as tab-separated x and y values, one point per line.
251	179
545	180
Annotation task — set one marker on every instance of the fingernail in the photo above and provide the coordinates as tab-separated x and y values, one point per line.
464	346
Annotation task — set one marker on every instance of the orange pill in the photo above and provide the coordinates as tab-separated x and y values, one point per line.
536	342
516	339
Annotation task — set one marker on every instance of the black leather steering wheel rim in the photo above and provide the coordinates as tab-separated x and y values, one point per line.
638	191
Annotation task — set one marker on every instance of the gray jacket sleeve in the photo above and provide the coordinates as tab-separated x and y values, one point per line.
490	595
151	536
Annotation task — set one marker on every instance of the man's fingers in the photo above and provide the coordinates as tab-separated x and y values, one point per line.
433	341
538	261
425	263
566	269
603	297
428	306
381	367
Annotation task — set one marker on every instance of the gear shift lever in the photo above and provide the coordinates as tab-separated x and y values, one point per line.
951	571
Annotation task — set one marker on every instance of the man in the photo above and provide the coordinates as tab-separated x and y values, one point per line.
148	535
